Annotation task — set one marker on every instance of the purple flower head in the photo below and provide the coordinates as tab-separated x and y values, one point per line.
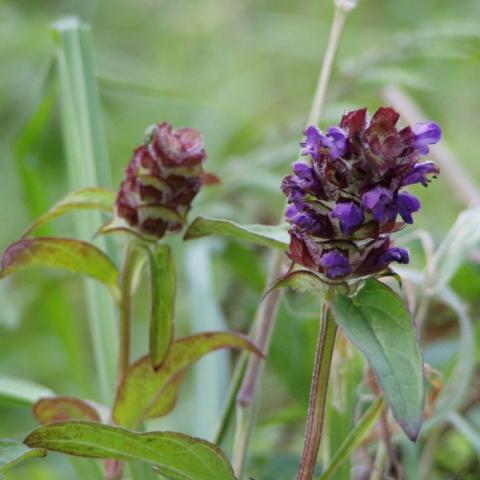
428	133
335	264
349	199
420	172
349	214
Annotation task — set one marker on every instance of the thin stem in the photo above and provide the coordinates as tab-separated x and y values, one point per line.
125	307
318	395
267	312
327	65
265	322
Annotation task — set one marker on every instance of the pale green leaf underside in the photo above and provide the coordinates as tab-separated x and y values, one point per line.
176	455
163	279
378	323
13	452
265	235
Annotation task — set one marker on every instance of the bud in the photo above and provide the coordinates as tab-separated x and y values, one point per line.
345	203
161	180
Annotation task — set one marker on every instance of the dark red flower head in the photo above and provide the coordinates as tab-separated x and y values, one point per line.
161	180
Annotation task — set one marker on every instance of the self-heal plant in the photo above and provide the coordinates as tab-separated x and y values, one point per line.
160	183
344	202
343	206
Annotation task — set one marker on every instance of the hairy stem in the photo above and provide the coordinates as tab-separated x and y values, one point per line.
266	314
318	395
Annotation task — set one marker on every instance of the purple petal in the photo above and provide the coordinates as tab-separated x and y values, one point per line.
313	142
303	171
349	214
376	201
420	172
407	204
427	133
394	254
336	141
336	264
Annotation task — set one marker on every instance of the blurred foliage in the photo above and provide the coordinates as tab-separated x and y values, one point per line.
243	72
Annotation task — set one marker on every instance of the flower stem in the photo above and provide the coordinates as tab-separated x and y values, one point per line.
125	308
318	395
266	314
327	65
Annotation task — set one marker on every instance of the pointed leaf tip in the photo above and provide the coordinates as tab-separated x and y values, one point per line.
145	393
377	321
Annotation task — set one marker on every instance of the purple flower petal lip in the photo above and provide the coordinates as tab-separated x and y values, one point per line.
349	214
394	254
407	204
313	141
336	264
303	171
292	188
376	200
336	141
419	173
427	133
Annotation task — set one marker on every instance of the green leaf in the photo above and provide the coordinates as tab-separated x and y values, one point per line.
13	452
353	440
21	392
452	252
84	199
58	409
65	253
265	235
175	455
144	392
377	321
162	302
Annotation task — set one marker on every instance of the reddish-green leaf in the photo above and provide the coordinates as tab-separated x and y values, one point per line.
58	409
144	392
162	302
13	452
175	455
84	199
65	253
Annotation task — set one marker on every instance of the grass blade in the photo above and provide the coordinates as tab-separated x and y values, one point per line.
88	166
354	438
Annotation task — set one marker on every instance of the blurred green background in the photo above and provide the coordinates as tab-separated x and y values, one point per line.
244	73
